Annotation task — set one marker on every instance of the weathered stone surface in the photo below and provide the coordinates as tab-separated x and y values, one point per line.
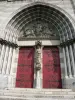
35	94
7	10
3	81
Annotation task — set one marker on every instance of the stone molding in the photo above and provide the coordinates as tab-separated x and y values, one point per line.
67	43
8	43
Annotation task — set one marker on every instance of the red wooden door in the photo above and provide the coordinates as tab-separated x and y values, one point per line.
51	68
25	68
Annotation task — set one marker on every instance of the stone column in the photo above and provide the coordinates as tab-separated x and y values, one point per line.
0	49
72	60
2	57
5	60
65	63
68	62
9	61
12	61
74	55
38	64
10	69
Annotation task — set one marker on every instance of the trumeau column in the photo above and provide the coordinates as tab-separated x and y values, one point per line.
38	64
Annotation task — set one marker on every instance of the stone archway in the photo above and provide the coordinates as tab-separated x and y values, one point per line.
60	22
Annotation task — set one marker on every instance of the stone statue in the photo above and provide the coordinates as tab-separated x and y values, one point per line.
38	55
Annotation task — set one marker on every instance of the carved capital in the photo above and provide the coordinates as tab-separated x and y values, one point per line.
38	44
5	42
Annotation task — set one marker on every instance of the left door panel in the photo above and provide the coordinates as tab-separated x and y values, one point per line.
25	68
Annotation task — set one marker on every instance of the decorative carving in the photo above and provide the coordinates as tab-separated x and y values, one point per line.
38	29
5	42
38	55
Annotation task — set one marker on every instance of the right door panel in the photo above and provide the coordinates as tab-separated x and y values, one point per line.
51	68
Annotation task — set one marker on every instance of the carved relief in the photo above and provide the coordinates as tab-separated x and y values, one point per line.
38	29
38	56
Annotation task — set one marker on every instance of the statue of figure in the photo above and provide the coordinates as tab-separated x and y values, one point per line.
29	32
38	63
38	56
38	29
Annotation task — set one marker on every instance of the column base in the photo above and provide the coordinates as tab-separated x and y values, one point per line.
70	76
66	77
69	83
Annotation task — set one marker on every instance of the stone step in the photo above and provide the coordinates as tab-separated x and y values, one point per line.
16	92
39	97
35	94
36	91
53	97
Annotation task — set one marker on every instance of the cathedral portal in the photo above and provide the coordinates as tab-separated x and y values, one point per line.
44	36
51	72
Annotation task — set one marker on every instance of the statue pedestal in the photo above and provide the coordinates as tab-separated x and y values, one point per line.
38	81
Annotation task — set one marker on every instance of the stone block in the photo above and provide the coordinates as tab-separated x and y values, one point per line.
35	94
3	81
